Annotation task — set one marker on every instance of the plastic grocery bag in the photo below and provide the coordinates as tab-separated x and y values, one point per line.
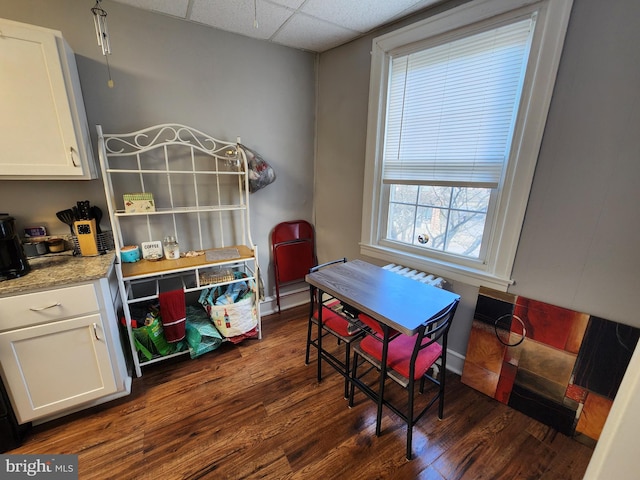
260	172
202	336
236	318
232	308
149	339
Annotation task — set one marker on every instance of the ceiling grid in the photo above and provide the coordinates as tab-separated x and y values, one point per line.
313	25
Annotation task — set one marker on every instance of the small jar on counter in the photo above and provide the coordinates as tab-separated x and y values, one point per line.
171	248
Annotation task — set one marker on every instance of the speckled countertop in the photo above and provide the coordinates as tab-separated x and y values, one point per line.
57	270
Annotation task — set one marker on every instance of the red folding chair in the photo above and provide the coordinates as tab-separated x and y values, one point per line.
294	252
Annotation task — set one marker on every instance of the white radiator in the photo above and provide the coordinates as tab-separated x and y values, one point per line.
421	277
416	275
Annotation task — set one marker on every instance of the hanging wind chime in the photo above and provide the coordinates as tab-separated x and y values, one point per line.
102	34
255	14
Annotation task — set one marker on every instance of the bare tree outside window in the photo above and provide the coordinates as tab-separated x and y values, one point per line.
451	218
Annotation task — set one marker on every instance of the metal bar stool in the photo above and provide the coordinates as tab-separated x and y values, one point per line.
329	317
409	359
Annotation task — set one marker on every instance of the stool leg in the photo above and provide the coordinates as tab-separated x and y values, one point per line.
306	358
310	324
347	371
354	373
410	418
442	375
319	339
383	375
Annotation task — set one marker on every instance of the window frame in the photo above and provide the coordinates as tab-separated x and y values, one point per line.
513	192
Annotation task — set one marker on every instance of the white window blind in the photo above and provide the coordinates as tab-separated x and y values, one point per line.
451	108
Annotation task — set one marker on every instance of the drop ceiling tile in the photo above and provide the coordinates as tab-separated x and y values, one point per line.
293	4
308	33
416	7
315	25
238	16
360	16
177	8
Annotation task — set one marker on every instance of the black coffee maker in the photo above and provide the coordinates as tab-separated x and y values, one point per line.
13	261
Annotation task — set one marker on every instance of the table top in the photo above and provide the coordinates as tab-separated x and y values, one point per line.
397	301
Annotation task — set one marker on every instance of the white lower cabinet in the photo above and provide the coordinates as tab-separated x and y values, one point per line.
56	366
66	355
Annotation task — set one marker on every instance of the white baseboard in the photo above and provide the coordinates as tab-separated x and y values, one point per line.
290	299
455	362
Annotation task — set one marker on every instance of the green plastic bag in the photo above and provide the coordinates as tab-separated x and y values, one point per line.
150	339
202	336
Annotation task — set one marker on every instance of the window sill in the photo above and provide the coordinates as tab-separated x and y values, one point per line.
449	271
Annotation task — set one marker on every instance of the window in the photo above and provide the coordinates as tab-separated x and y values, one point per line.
456	114
446	219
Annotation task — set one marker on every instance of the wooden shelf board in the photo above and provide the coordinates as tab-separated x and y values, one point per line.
143	267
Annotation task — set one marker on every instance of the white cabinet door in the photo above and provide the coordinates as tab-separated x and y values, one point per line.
43	126
52	367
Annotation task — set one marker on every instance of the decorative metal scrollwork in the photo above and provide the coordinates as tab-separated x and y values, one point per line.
160	135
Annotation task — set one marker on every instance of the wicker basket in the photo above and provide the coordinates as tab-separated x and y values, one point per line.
104	241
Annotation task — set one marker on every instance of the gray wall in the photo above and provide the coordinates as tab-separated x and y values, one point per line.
169	71
579	244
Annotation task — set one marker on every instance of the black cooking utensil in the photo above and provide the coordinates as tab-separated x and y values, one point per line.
97	214
84	210
67	216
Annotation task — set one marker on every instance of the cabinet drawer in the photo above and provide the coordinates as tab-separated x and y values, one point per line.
34	308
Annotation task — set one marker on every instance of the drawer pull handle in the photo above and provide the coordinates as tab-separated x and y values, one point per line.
39	309
95	331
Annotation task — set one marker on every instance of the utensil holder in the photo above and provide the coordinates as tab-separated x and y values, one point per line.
104	241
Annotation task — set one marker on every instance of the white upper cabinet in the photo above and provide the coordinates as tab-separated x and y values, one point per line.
43	124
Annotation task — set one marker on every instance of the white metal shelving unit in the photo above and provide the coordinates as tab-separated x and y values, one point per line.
200	187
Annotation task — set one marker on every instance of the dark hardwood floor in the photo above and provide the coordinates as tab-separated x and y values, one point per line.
255	410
